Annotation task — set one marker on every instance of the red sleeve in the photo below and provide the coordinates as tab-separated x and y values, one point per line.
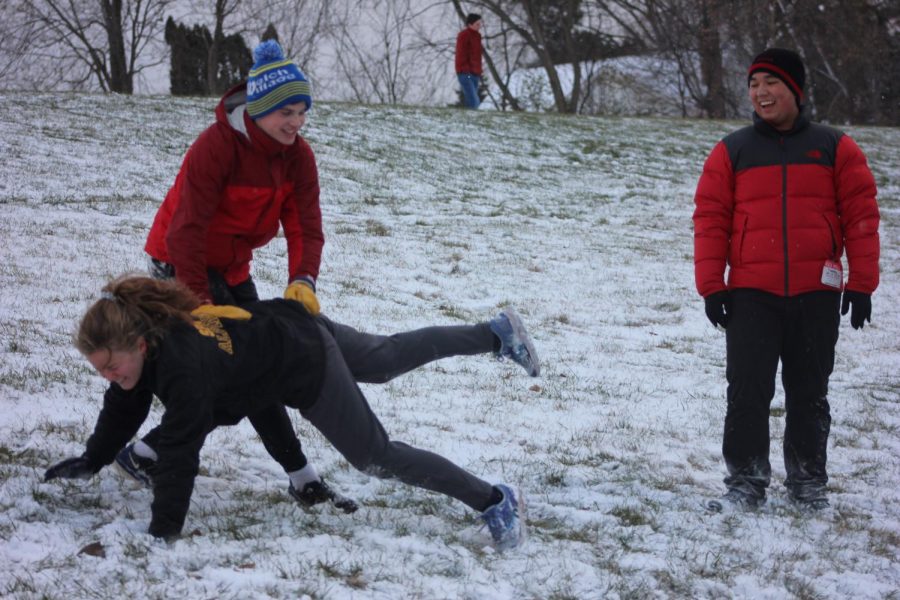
201	187
858	210
714	207
301	217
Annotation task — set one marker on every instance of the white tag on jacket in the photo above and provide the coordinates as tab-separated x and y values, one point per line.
831	274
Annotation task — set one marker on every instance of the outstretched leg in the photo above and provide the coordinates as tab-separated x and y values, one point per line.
344	417
380	358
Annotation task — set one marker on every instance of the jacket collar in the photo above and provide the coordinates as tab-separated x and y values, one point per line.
232	111
762	126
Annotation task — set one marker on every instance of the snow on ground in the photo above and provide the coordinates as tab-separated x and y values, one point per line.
436	216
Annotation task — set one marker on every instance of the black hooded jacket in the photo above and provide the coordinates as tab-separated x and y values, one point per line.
213	373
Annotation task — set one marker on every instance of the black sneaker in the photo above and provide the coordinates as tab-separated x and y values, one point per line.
814	504
316	492
812	498
137	467
735	500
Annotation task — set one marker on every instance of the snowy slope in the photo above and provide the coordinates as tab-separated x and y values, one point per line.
436	216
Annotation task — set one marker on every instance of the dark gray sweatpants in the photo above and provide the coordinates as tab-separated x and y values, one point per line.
344	417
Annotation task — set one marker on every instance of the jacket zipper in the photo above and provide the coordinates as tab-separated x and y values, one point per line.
834	255
784	217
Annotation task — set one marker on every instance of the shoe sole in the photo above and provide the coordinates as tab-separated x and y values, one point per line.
523	516
519	331
718	506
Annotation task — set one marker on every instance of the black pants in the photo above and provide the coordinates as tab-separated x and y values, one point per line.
219	290
802	332
344	417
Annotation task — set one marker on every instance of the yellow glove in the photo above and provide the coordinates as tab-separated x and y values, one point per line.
302	292
222	311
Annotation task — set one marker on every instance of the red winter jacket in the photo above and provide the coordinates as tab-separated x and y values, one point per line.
776	206
468	52
235	186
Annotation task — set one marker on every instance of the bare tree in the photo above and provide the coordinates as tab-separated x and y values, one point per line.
88	42
17	37
851	49
379	54
302	25
223	9
688	32
543	26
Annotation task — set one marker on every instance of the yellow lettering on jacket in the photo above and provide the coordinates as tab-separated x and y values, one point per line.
211	326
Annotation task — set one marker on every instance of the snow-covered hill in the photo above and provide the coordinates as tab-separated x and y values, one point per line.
439	216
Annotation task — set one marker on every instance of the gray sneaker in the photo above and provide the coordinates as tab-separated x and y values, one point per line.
736	500
506	519
515	343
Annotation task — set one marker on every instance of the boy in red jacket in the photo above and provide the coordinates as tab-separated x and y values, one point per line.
245	176
468	60
778	203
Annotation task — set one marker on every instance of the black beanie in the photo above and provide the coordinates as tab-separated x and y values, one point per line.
786	65
472	18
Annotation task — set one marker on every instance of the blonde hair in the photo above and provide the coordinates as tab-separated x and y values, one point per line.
131	307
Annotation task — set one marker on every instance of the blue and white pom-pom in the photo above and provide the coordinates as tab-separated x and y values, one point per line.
268	51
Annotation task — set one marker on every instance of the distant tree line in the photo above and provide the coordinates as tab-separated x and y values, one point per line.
401	51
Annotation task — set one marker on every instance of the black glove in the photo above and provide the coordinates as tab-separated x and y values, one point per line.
862	308
718	308
70	468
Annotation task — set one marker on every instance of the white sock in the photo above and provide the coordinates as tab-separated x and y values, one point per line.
303	476
145	451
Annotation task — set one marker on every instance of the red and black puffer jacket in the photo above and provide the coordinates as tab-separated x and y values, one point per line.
235	187
774	207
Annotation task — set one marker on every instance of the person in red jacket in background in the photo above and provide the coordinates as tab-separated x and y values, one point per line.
245	176
778	204
468	60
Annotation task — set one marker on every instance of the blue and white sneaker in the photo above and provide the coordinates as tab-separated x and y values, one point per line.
506	519
137	467
515	343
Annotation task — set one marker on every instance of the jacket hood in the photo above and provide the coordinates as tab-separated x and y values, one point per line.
232	112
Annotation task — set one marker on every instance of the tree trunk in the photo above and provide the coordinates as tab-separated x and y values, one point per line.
710	50
120	79
212	58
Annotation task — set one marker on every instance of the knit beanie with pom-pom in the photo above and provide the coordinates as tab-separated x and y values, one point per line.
274	81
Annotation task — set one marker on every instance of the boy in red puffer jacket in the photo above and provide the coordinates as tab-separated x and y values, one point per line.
778	203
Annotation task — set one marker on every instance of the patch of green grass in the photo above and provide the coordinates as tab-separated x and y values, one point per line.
630	516
453	312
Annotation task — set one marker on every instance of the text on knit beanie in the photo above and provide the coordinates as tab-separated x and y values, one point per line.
274	81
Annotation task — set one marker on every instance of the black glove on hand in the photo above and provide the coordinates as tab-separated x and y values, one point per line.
718	308
71	468
862	308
